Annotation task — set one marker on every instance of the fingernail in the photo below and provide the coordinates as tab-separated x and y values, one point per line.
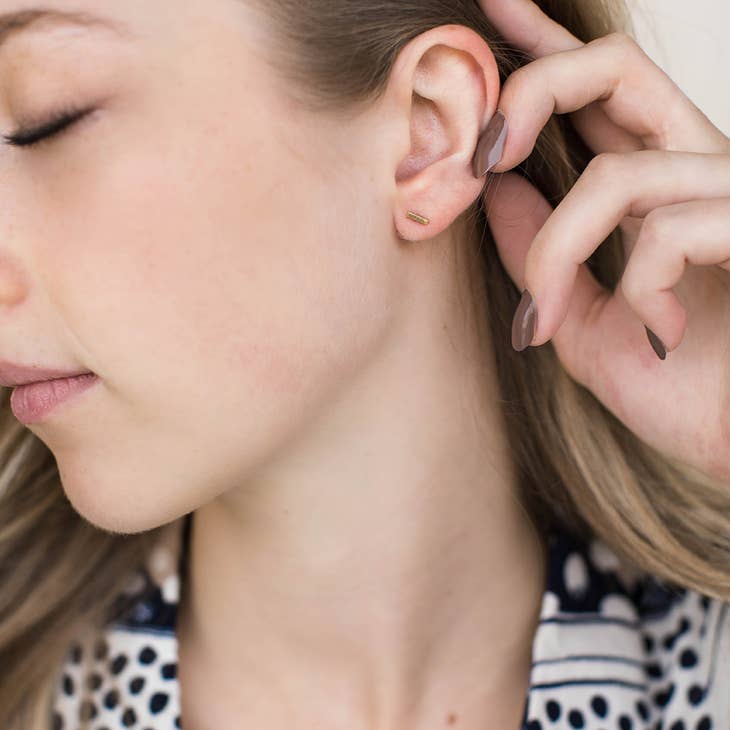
656	343
524	323
490	145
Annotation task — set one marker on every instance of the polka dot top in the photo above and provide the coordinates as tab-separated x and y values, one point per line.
611	651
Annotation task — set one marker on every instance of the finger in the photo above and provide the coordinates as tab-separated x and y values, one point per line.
600	133
516	211
633	91
612	187
527	27
695	232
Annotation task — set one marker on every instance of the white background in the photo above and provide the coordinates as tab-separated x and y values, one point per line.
690	41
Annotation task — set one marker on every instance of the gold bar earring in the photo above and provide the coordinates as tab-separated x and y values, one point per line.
417	218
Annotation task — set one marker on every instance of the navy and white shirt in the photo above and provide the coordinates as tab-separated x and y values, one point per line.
610	651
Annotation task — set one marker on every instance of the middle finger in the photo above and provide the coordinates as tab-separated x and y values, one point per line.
615	72
526	26
612	187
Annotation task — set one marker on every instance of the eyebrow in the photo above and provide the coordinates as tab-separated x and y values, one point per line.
23	20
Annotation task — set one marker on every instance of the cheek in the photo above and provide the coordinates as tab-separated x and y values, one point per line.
215	275
202	266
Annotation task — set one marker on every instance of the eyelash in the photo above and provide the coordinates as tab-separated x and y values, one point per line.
43	132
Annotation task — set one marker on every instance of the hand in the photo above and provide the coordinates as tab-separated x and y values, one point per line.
662	174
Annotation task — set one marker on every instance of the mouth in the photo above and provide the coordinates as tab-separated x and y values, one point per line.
34	402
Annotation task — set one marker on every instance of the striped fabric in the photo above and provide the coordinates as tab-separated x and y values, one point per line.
612	651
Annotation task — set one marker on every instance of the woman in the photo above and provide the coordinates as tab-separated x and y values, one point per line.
256	240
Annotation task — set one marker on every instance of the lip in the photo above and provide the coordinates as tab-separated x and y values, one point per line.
33	402
12	374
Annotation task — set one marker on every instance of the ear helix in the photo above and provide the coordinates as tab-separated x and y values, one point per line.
488	153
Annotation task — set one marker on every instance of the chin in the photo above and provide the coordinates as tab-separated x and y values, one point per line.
114	509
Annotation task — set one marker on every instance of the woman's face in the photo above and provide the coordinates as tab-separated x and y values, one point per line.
226	263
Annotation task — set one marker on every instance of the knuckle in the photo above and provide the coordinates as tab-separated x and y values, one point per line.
656	228
536	42
518	76
604	166
621	41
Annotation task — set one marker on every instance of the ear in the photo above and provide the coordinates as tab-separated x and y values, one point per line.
444	86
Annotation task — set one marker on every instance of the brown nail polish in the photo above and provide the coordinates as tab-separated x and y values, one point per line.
656	343
490	145
524	323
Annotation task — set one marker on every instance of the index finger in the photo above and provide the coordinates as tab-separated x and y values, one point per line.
524	25
633	92
633	104
527	27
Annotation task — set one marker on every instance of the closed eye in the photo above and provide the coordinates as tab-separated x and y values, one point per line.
28	136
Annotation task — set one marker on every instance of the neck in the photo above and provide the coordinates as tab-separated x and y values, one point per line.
382	573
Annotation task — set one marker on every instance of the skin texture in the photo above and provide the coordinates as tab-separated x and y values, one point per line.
660	174
282	351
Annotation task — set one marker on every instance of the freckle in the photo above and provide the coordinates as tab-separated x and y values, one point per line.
451	719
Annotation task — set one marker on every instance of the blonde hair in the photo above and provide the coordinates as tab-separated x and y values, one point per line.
578	465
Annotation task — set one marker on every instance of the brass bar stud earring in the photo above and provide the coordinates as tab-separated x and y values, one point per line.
418	218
